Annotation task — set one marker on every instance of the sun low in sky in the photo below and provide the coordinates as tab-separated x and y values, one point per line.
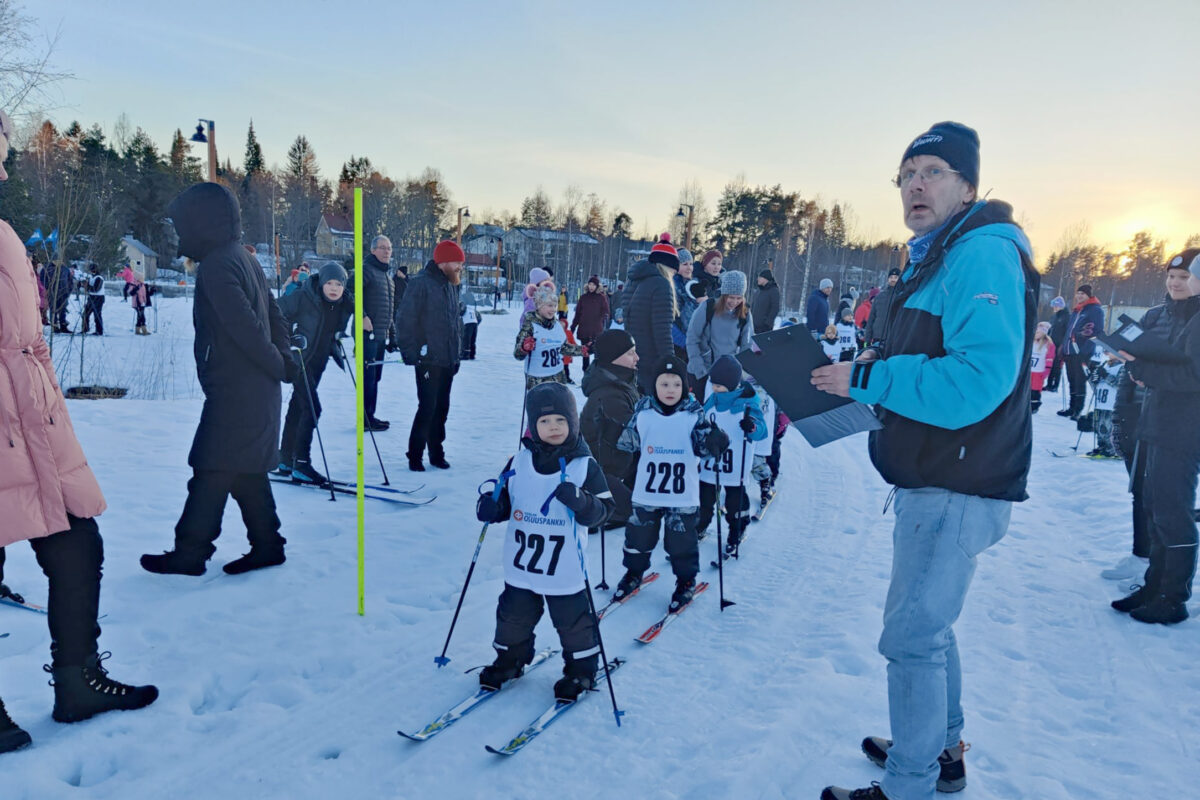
1086	112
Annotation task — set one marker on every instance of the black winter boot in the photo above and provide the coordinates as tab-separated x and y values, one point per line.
629	583
953	776
568	688
304	472
872	792
685	590
439	461
173	562
504	668
1168	605
257	558
1137	599
11	736
82	692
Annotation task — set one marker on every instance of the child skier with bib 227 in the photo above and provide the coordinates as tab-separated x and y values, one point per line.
555	491
669	434
542	341
733	404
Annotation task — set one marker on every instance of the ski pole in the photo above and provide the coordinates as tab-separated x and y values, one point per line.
720	548
312	409
370	428
441	660
603	585
742	475
521	430
617	713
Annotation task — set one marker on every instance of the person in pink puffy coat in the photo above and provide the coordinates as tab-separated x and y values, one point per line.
1040	360
50	498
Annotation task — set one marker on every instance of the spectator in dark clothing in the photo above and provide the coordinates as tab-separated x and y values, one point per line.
318	311
816	315
650	309
591	316
1170	435
242	356
708	282
379	309
429	337
765	306
1086	322
880	309
1058	335
59	282
610	386
95	300
685	301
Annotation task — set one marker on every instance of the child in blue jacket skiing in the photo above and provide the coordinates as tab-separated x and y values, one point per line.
733	406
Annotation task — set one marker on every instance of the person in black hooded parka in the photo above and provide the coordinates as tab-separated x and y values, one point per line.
242	356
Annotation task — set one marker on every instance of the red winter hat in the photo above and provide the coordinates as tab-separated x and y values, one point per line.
447	252
663	252
709	256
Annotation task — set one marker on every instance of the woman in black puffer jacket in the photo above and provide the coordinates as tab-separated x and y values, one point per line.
650	309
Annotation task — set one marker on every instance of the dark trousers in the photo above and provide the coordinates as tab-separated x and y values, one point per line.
470	335
1035	400
373	351
1136	467
776	455
1077	378
141	316
433	406
1056	369
301	418
94	306
2	565
737	509
517	614
200	524
72	561
679	539
1170	496
60	315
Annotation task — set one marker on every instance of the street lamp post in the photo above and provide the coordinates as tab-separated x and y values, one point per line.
691	210
211	138
463	213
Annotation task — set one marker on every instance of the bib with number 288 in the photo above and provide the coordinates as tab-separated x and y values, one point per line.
539	550
546	358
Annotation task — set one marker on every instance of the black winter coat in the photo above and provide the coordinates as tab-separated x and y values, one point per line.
764	308
1173	398
649	314
241	338
1058	328
309	313
878	318
611	393
379	295
1130	397
430	317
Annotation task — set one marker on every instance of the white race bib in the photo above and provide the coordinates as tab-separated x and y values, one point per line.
539	550
668	474
546	358
1106	396
1037	361
763	446
734	469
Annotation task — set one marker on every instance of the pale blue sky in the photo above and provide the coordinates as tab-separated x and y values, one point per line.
1086	110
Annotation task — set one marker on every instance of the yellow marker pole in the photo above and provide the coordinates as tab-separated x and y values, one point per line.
359	401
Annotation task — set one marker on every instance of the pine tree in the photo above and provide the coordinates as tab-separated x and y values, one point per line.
254	155
536	211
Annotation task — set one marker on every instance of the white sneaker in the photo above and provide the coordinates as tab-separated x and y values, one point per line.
1127	567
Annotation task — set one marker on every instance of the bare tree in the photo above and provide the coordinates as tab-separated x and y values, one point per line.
25	76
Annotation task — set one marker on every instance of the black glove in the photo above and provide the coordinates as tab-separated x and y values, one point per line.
409	359
571	496
716	442
747	425
291	367
338	355
391	346
487	509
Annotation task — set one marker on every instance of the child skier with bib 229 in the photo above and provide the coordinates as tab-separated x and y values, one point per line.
555	492
542	341
733	404
669	435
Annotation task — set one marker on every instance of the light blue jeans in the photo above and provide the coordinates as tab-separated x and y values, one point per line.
937	536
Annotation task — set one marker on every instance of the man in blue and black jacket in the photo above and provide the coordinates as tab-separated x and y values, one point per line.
949	380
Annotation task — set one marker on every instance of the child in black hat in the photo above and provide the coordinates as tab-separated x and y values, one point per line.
551	488
669	436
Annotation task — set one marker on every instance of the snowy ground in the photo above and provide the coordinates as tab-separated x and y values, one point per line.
272	686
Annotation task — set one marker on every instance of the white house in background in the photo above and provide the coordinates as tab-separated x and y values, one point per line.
335	236
540	247
140	257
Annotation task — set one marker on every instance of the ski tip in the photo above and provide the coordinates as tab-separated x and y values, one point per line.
410	737
441	661
496	751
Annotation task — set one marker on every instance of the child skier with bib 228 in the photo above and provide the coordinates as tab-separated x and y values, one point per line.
555	492
542	341
733	404
669	435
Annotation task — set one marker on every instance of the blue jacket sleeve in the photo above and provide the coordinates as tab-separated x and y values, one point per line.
983	334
